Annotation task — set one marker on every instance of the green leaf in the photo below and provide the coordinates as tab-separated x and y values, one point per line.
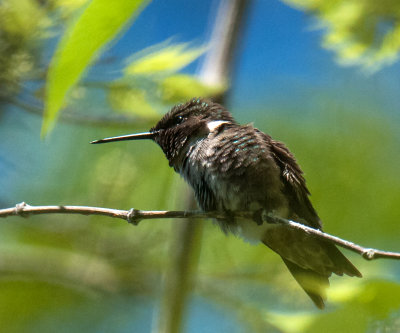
81	43
168	59
179	87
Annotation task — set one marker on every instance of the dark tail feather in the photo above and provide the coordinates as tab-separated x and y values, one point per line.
310	260
313	284
342	264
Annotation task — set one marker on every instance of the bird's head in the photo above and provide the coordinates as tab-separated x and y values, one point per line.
182	125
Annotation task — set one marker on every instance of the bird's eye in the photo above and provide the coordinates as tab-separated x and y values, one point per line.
178	120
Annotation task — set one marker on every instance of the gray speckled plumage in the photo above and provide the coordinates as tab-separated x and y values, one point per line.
237	167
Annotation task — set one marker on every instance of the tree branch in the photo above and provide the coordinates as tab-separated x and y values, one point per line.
74	117
134	216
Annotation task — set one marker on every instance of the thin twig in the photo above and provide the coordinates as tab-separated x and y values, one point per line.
366	253
134	216
77	118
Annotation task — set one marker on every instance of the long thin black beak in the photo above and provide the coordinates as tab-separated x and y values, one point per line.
138	136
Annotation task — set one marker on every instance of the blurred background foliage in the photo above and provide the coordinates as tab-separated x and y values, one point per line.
94	274
365	33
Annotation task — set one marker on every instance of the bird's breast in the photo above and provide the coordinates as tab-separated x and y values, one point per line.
226	179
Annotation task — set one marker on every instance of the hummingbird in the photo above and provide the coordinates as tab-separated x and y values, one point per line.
233	167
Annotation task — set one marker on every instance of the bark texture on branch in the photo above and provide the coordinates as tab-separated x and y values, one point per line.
134	216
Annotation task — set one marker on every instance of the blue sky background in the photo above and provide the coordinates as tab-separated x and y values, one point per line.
280	61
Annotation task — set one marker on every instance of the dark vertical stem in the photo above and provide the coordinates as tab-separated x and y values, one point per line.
229	22
186	245
185	251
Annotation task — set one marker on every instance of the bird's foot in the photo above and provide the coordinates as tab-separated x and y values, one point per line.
262	215
230	216
258	216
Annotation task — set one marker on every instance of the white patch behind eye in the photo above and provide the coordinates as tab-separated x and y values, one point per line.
213	125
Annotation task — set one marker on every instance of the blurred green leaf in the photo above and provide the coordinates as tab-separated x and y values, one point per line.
97	25
21	17
68	7
179	87
130	100
361	33
24	301
374	300
18	45
169	59
62	265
